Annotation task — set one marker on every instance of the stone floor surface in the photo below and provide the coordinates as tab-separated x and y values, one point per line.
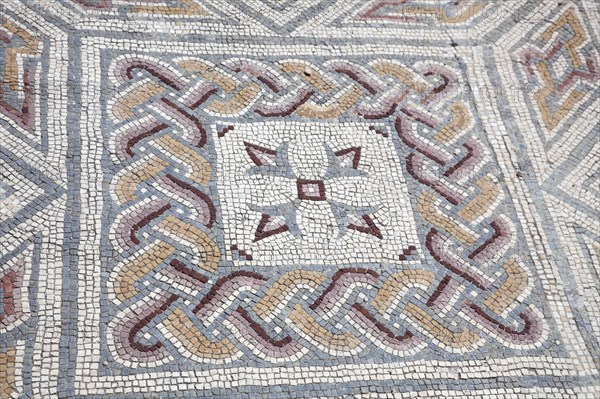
299	199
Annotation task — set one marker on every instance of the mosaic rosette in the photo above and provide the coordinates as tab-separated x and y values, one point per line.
378	199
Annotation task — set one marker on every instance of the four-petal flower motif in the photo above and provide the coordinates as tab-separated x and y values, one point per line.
298	178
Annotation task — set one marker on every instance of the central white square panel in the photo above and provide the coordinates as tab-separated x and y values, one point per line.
295	193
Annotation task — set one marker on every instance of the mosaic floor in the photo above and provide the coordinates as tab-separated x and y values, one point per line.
299	199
